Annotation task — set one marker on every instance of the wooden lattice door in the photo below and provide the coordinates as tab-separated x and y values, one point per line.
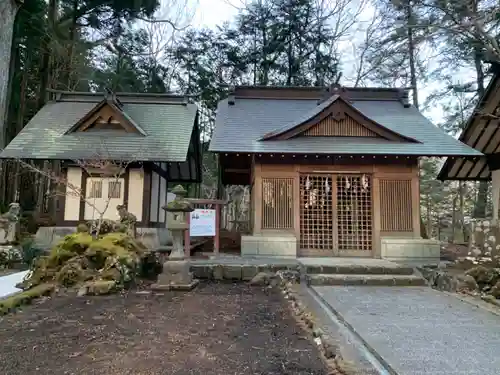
335	215
354	216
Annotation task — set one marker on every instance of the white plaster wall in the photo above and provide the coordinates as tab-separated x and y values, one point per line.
136	192
72	199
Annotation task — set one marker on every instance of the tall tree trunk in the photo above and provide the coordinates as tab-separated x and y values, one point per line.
413	81
453	219
462	190
411	52
8	11
429	217
46	57
19	127
45	75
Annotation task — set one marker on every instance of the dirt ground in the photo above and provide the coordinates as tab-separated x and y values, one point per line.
223	329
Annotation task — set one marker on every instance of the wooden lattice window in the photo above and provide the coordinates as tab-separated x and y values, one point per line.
354	213
114	189
277	203
316	213
396	206
95	189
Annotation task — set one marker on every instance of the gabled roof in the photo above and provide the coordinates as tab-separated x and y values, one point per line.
336	105
164	126
117	108
253	113
482	132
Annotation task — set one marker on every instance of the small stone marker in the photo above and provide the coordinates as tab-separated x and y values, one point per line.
176	274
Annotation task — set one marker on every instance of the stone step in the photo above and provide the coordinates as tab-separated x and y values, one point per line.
347	269
367	280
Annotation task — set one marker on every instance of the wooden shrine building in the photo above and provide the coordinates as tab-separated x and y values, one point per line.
114	149
334	171
482	132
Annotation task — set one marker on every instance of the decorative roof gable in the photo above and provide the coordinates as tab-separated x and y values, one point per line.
107	115
336	117
160	128
339	127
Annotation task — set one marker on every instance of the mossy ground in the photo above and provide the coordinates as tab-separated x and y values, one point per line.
11	303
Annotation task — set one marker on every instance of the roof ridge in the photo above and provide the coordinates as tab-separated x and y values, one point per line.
324	106
123	97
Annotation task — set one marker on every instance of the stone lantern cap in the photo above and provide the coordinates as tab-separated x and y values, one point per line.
180	203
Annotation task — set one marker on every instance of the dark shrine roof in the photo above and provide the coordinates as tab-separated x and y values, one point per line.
255	119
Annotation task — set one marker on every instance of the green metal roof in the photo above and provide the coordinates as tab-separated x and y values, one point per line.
167	122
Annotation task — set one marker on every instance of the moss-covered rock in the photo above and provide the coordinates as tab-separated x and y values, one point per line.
70	274
97	287
484	276
80	260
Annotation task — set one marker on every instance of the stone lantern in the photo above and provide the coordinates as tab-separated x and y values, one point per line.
176	273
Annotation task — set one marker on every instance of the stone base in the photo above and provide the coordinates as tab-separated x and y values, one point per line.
175	276
283	245
180	287
153	238
416	251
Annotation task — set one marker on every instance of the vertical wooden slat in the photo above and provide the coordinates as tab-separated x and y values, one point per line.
415	197
347	127
277	203
396	205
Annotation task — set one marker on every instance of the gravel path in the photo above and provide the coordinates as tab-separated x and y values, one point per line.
420	331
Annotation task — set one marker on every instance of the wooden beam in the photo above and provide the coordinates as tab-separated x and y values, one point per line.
159	170
236	170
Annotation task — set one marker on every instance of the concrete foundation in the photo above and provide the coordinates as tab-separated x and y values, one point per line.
153	238
281	245
416	251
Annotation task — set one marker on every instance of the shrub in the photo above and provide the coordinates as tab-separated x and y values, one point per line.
30	251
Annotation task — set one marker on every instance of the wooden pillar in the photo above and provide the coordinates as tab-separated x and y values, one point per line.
377	244
415	205
257	202
495	178
217	229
